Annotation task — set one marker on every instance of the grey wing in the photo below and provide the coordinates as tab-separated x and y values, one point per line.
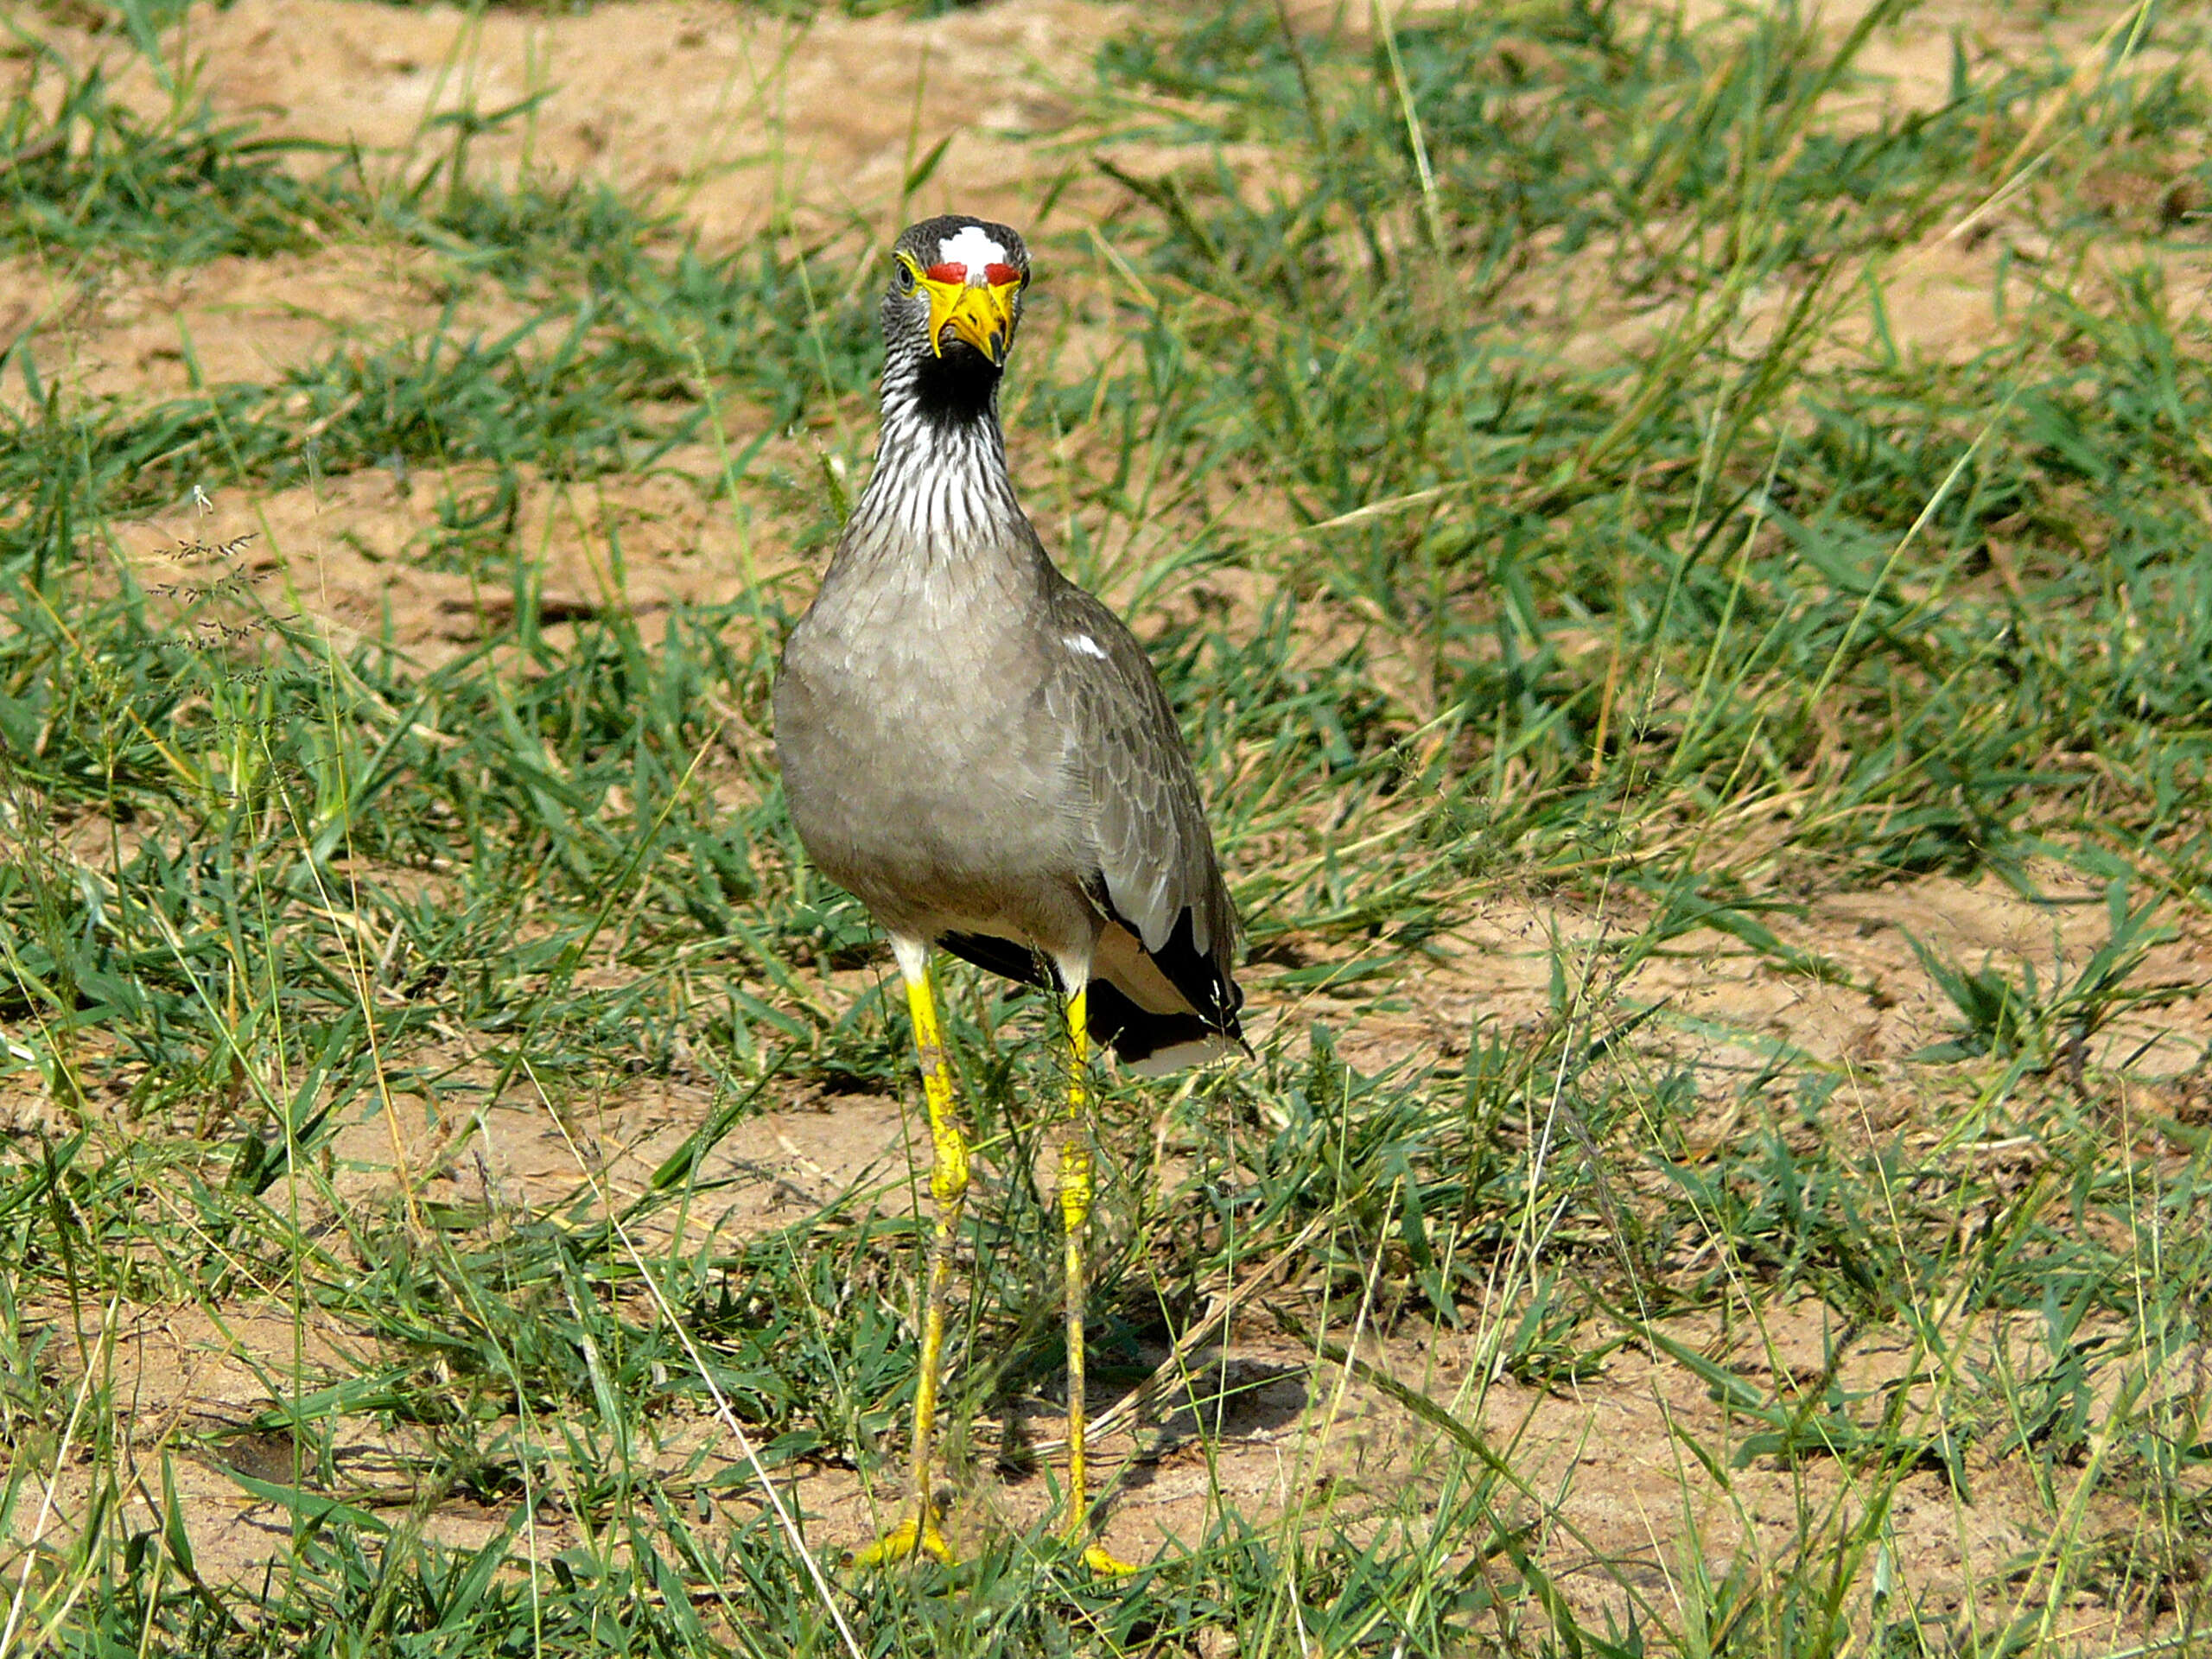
1155	857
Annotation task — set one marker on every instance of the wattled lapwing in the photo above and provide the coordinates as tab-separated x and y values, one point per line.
980	752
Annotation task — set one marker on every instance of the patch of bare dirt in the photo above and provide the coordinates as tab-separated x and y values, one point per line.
137	334
738	117
357	557
1869	1016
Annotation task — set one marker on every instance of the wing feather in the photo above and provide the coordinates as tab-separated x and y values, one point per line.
1157	873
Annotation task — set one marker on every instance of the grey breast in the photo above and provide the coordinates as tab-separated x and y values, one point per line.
923	765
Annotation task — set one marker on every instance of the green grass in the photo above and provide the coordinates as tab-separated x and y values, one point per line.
87	178
1529	501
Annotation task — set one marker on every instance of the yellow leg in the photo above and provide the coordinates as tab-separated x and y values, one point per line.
949	1188
1075	1194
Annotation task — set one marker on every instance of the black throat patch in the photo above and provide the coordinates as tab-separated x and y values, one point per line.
958	388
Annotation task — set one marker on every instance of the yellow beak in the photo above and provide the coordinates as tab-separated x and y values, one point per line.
983	316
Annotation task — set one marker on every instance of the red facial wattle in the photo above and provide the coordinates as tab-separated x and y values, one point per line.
981	313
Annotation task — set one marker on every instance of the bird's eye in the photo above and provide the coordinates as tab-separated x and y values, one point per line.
904	276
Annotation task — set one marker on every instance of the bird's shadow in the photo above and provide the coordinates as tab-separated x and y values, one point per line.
1221	1398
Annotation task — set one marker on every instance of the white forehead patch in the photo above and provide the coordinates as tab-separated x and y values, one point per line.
973	248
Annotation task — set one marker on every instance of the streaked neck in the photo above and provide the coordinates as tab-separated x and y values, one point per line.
940	485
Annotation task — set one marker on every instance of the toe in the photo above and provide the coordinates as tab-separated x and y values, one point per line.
1107	1567
908	1539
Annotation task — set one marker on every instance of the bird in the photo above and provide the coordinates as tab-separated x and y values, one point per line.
981	753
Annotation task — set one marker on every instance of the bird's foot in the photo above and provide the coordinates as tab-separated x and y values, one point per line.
1095	1557
918	1536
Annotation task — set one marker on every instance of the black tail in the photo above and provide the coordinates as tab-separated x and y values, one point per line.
1134	1034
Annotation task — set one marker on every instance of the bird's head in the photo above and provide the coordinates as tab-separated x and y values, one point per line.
956	294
